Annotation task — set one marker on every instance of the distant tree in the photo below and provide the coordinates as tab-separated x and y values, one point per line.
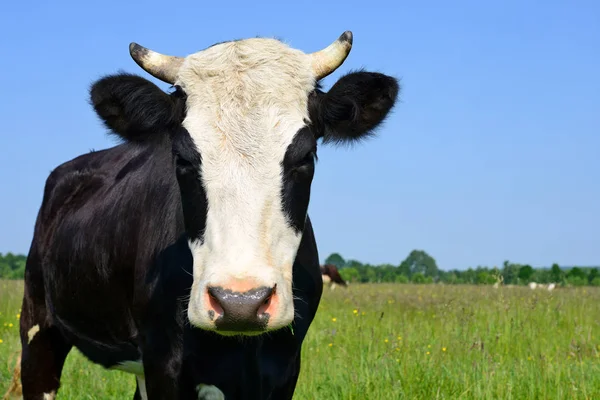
576	272
484	278
371	275
350	274
336	259
541	276
404	268
354	264
576	280
593	275
387	272
555	273
510	273
525	273
418	261
401	279
418	278
12	266
468	276
450	277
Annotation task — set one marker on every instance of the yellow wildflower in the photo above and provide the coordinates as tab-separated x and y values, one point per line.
10	325
1	341
399	337
334	319
428	353
18	316
428	346
443	349
330	344
355	311
385	340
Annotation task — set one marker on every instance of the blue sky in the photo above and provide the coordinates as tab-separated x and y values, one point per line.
493	152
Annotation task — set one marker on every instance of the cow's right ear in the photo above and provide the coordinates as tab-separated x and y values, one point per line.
133	107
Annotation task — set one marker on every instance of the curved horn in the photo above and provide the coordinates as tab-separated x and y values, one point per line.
325	61
158	65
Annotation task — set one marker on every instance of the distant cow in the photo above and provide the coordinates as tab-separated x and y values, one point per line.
331	275
184	254
550	287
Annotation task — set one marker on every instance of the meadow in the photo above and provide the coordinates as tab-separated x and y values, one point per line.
407	341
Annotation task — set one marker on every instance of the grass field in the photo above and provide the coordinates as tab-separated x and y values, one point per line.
398	341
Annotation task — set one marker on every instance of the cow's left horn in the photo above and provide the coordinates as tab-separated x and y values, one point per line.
325	61
158	65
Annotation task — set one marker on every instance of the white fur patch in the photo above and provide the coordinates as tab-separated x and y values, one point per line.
142	386
326	278
50	396
246	102
132	367
209	392
32	332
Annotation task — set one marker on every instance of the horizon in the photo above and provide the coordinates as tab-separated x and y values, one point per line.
489	155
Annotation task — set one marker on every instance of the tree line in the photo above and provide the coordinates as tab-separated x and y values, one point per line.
417	267
12	266
420	267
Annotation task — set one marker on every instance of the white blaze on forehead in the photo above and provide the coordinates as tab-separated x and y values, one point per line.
246	102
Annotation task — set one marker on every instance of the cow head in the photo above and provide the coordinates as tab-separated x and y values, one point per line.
244	120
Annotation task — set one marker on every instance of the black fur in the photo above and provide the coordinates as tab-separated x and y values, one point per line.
354	106
298	168
135	108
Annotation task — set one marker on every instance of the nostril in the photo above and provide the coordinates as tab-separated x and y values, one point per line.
266	304
215	304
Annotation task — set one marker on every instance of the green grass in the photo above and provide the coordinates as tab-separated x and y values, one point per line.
391	341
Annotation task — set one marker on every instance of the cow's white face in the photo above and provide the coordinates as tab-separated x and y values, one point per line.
242	127
247	102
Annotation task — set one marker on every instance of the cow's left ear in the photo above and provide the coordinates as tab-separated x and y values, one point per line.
357	104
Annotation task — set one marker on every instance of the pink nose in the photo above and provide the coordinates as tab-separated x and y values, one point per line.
235	311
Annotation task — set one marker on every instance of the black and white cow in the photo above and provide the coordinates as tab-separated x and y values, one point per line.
185	254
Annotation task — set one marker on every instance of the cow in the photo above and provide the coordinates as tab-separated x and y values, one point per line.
185	254
331	275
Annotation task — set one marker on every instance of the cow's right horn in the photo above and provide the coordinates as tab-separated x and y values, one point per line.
158	65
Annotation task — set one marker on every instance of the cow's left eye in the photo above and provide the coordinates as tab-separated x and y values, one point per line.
310	158
306	165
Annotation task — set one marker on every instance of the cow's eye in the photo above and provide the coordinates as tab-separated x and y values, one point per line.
306	166
309	158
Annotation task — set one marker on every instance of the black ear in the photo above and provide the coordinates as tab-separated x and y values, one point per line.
134	107
357	104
